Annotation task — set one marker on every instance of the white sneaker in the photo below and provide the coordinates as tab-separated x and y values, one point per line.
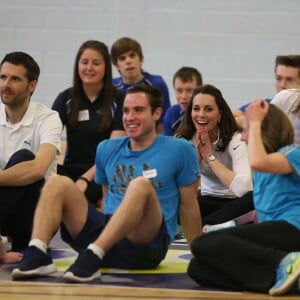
209	228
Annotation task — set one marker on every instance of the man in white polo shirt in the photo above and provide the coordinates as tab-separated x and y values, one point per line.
30	136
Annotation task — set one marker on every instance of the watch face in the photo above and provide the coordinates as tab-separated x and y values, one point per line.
212	158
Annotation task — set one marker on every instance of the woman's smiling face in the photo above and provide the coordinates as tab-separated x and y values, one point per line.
205	112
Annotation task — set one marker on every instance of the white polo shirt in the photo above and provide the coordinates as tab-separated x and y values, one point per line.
39	125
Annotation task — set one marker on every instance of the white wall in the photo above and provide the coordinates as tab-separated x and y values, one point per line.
232	42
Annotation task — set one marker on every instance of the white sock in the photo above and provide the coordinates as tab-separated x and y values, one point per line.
97	250
39	244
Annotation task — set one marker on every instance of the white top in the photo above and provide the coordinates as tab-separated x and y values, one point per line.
39	125
288	100
235	157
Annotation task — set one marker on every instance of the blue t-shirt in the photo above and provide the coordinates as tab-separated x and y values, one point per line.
150	79
277	196
172	162
173	119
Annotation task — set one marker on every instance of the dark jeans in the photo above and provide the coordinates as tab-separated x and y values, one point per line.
215	210
93	191
17	205
244	257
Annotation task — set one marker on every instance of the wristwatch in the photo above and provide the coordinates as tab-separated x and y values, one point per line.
211	158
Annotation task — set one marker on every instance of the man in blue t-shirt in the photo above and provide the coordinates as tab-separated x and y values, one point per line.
127	56
148	180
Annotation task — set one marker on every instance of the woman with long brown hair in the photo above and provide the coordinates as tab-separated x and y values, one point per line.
226	179
91	111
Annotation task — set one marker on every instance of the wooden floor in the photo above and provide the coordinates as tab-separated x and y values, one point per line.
25	290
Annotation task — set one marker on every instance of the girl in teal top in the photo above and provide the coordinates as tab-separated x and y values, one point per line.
263	257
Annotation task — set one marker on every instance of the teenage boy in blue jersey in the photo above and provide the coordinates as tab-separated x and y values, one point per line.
287	75
127	56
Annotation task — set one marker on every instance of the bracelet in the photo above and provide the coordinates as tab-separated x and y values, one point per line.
84	179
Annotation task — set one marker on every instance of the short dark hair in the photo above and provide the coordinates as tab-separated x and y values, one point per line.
289	61
123	45
187	74
24	59
154	95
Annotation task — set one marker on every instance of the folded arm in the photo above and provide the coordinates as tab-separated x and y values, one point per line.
27	172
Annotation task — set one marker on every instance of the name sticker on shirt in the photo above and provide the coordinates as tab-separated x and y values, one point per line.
150	173
83	115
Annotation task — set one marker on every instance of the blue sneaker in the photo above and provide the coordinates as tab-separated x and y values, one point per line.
34	263
287	274
85	268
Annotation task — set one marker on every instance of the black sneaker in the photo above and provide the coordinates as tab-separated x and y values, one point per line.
85	268
34	263
179	233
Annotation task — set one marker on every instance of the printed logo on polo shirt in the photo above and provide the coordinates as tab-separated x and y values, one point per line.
27	142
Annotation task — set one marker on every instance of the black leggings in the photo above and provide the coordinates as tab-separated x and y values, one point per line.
17	205
215	210
244	257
